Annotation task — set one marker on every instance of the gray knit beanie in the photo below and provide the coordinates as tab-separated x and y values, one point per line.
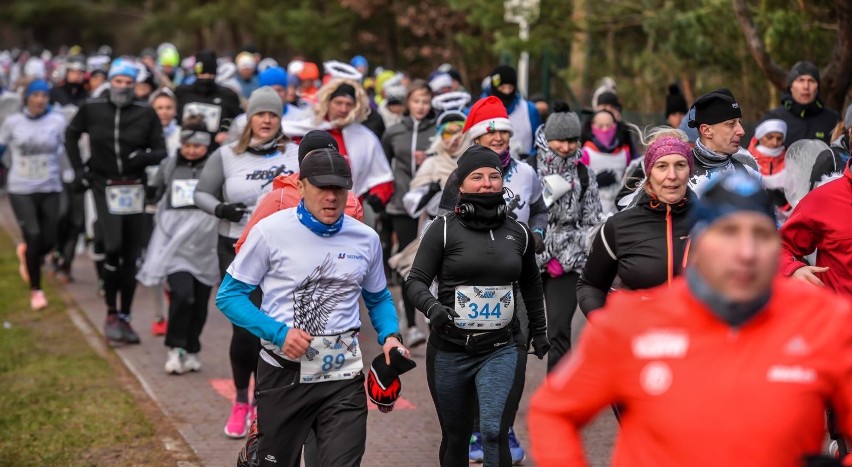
562	126
847	118
264	99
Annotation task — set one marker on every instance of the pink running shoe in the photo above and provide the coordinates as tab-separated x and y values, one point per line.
37	300
159	327
237	426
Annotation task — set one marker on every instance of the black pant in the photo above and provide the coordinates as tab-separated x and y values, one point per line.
37	215
187	311
406	232
560	298
124	237
287	410
71	223
245	346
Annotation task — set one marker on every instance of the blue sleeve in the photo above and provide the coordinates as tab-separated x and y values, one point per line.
382	313
233	300
535	122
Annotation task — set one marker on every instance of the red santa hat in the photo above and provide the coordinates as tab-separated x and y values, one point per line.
487	116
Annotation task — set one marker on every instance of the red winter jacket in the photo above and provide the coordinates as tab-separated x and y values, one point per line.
821	222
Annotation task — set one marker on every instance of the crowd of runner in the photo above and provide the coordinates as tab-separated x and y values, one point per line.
299	188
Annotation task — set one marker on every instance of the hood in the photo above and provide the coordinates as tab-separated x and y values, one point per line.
547	161
286	181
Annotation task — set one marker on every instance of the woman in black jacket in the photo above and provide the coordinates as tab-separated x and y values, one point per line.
475	347
646	245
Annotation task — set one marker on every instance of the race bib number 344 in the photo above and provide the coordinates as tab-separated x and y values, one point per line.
331	358
484	307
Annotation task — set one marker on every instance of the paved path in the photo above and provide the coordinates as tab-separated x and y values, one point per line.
198	404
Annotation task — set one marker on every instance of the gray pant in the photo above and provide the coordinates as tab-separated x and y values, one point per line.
457	380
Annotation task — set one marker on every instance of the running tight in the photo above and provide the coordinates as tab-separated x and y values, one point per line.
37	215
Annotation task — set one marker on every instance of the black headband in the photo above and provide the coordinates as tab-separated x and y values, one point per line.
344	90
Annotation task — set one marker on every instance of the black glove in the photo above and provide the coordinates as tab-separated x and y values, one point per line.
540	345
817	460
80	184
375	202
141	158
434	189
440	316
606	178
232	212
539	242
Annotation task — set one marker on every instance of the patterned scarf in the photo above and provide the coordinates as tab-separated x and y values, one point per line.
709	158
308	220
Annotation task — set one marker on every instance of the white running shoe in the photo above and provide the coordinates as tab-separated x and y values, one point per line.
191	362
174	364
414	337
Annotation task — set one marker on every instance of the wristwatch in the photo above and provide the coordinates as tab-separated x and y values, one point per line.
394	334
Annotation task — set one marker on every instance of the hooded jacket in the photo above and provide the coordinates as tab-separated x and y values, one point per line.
572	216
804	121
821	222
284	195
399	143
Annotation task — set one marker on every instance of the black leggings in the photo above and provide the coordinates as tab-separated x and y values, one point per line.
406	232
560	298
37	215
124	237
245	346
187	311
71	224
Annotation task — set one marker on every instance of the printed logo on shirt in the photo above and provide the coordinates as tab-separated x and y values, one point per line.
348	256
509	237
797	346
269	173
270	458
660	344
790	374
656	378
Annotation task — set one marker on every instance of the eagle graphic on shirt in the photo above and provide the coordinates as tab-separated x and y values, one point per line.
319	294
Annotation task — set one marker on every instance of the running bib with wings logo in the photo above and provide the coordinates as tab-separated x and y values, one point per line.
212	114
484	307
331	358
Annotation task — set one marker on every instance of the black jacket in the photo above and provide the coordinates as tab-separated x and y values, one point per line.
114	135
633	244
220	105
811	121
504	255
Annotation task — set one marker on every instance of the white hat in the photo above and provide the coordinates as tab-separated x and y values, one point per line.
341	70
555	186
771	126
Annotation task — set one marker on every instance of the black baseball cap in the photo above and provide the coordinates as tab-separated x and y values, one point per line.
326	167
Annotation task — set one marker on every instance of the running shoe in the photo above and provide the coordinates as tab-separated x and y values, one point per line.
37	300
112	328
128	335
159	327
191	362
475	453
518	454
414	337
238	421
175	362
21	250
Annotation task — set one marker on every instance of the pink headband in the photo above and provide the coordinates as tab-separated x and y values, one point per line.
666	146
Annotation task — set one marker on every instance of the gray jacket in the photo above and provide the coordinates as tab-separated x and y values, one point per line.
400	142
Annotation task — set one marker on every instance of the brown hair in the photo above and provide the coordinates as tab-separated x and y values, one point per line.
418	85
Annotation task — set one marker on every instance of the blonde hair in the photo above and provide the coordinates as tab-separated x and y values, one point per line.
654	133
357	115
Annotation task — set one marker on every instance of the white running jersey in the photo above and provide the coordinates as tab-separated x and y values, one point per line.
34	151
310	282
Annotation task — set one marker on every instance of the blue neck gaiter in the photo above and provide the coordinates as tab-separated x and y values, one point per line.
308	220
735	314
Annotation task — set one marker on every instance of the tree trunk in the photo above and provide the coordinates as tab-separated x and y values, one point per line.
837	76
773	71
580	82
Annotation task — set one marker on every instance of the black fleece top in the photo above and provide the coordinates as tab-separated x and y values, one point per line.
502	256
634	245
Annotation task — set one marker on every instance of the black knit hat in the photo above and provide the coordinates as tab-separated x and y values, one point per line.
383	384
316	139
715	107
503	74
205	62
802	68
476	157
675	102
609	98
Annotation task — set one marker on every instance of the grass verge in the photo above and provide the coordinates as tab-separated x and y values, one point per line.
60	402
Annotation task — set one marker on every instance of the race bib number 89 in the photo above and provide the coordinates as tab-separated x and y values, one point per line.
331	358
484	307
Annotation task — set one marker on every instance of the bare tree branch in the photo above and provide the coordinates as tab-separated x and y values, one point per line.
837	77
774	73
